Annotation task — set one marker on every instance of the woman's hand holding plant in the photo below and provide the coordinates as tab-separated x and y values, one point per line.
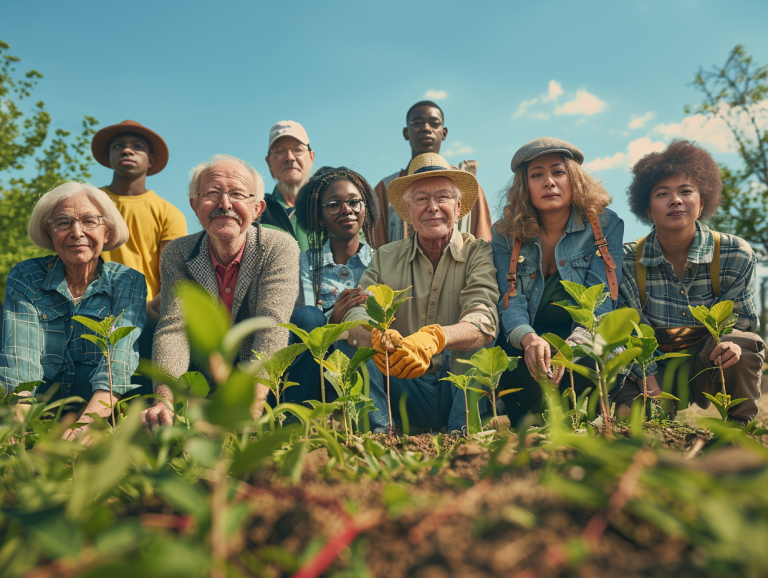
348	299
726	354
537	354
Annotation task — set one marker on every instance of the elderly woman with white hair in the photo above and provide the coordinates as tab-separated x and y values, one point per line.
40	340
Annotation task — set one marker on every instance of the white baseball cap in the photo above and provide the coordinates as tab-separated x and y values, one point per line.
288	128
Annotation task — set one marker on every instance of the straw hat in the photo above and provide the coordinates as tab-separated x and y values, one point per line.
427	166
101	140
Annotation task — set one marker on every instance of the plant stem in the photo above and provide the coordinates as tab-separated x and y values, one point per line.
495	417
466	408
645	393
573	395
389	401
109	376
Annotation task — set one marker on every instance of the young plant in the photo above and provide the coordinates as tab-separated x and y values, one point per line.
646	341
565	352
107	336
319	340
276	366
343	374
489	366
462	382
719	321
609	332
381	307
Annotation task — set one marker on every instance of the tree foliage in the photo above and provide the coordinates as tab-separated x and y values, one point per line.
737	94
31	163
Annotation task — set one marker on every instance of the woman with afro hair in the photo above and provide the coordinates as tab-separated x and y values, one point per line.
683	263
334	207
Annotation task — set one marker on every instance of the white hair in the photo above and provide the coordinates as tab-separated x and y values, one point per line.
46	206
196	173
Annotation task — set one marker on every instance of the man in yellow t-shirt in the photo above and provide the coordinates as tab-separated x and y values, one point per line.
134	152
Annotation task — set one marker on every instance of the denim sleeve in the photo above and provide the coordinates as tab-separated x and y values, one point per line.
515	318
20	361
131	301
305	278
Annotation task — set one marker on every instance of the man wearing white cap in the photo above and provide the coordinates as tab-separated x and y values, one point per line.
289	159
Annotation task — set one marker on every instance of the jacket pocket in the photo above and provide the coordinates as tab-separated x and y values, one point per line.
526	277
580	265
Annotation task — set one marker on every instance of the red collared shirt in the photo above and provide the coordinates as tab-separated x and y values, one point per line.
226	277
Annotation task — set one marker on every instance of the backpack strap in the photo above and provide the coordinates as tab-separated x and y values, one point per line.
714	266
602	249
640	270
512	277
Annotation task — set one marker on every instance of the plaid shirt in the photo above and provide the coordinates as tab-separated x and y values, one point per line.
668	299
40	340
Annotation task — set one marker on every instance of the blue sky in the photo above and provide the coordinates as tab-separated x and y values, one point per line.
610	77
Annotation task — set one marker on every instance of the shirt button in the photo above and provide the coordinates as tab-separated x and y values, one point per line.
228	290
44	316
434	288
50	265
432	303
429	272
562	263
533	275
682	292
683	313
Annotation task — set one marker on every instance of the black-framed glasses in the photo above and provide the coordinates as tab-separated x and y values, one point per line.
65	222
334	207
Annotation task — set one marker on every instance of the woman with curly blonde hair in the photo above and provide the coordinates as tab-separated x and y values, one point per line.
556	227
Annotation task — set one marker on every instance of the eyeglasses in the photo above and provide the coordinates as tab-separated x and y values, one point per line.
423	200
298	151
234	198
419	124
334	207
65	222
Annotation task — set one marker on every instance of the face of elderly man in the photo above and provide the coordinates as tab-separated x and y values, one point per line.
77	231
226	200
433	206
290	161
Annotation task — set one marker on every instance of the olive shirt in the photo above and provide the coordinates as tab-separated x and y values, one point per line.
462	288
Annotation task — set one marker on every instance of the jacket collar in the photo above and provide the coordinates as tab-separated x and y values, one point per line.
55	280
455	245
363	254
702	250
575	221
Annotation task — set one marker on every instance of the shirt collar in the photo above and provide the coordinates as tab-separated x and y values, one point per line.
55	280
235	261
278	196
363	254
702	250
455	245
575	221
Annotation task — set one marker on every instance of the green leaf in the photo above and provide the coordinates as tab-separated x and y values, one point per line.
616	326
666	395
721	311
506	391
375	312
255	453
670	355
574	290
27	386
100	342
293	462
94	326
618	362
279	362
196	383
362	355
701	313
383	295
558	343
588	299
460	381
579	315
185	497
207	321
590	374
231	404
230	345
647	345
337	362
513	361
120	333
357	384
320	339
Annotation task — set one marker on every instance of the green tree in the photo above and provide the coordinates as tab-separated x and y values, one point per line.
31	162
737	94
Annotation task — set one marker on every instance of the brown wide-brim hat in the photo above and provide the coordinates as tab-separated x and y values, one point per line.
427	166
543	146
100	144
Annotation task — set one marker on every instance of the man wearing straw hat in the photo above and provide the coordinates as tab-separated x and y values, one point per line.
452	307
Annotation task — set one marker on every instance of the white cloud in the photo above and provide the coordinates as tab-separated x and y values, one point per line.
640	121
555	89
458	148
584	103
713	132
524	106
623	160
436	94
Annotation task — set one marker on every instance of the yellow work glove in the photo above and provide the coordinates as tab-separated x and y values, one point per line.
384	342
415	353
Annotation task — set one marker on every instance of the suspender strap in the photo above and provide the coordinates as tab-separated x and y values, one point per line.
640	268
714	268
602	248
512	277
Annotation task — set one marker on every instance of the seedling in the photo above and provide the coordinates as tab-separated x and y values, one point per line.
646	341
489	366
462	382
343	374
381	307
565	352
107	336
719	321
276	367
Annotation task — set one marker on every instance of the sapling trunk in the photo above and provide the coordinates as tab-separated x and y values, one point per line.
109	376
645	392
573	395
495	417
466	408
389	402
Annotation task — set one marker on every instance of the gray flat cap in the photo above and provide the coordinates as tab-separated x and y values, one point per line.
543	146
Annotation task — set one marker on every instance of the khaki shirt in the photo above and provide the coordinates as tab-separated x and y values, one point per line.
462	288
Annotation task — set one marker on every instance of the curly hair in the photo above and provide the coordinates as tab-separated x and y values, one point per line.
520	216
681	157
309	209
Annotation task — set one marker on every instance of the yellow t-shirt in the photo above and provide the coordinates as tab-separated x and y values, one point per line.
151	220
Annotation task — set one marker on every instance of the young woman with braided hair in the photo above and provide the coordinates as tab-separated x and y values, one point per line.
333	207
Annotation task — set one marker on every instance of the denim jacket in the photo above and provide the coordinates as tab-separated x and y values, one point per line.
576	262
335	278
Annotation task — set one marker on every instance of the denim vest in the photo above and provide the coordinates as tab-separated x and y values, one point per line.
576	262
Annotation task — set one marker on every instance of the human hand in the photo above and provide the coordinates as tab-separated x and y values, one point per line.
652	386
726	354
415	353
385	344
21	409
558	375
159	414
537	354
80	432
348	299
